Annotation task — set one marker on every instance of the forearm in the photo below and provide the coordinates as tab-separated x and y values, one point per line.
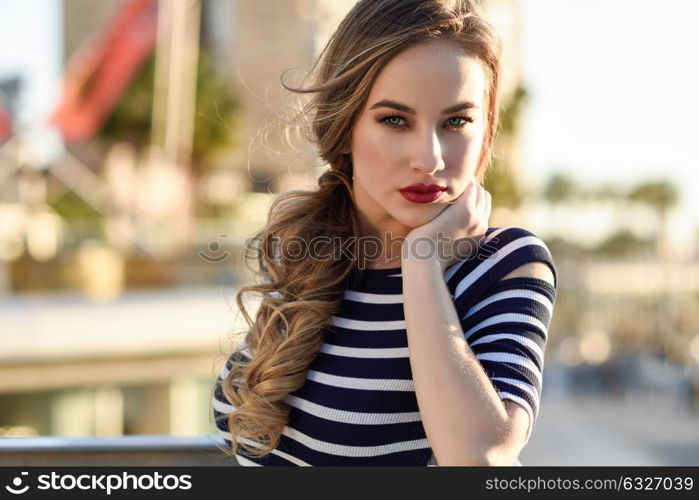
463	416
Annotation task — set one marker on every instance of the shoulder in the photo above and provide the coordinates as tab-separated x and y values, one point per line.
521	248
497	238
503	253
537	270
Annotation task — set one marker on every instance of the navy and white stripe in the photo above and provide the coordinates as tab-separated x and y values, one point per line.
358	405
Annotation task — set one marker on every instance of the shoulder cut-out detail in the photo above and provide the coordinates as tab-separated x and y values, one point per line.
532	270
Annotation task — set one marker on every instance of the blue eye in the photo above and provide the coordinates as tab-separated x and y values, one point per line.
392	120
465	119
455	122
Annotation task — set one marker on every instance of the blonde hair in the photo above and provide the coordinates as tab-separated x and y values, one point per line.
299	296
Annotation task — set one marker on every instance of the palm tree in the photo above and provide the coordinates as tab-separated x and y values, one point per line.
661	196
623	243
560	188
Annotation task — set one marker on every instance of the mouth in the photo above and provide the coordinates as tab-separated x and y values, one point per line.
424	188
421	193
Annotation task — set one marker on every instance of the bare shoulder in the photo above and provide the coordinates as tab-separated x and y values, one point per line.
532	270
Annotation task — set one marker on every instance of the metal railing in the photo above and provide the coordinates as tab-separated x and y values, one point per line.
141	450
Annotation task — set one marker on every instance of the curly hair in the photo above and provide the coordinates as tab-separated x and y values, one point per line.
299	296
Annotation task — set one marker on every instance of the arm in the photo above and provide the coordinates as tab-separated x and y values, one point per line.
465	420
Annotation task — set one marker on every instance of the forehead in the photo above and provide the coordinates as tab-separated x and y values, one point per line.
430	75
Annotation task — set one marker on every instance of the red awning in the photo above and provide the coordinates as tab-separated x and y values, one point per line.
100	71
5	123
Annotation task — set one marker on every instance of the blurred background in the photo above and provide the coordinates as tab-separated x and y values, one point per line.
133	168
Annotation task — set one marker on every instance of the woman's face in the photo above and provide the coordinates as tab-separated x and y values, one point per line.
424	122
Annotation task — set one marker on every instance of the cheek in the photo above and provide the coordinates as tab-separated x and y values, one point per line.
463	154
370	152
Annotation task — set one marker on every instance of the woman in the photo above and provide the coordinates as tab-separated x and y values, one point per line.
400	329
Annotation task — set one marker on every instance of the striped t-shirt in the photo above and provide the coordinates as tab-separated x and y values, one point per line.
358	405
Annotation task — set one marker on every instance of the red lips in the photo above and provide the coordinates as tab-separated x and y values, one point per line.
423	188
422	193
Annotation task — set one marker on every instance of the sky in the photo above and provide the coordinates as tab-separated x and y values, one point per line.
31	47
612	86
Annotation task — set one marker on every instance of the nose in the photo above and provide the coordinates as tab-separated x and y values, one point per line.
427	153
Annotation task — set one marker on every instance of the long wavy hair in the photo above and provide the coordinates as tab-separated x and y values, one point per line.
299	295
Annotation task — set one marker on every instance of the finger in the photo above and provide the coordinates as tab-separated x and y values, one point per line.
471	208
465	194
486	202
479	199
486	218
484	207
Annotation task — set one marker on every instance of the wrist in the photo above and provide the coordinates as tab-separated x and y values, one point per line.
423	251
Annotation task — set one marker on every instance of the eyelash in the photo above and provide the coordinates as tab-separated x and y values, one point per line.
384	119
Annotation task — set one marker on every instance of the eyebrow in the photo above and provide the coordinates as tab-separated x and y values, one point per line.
389	103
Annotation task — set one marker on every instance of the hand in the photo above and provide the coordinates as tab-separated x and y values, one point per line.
458	227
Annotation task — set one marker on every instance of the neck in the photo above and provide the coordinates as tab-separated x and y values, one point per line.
385	264
390	241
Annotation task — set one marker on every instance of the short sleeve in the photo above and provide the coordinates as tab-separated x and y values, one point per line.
506	322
